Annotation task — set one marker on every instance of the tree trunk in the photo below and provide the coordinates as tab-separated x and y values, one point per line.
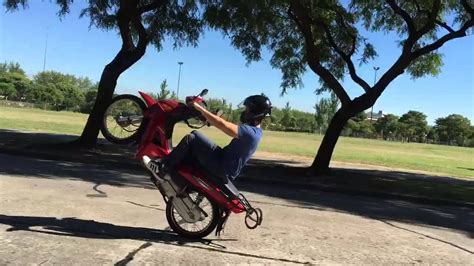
128	55
321	161
122	61
107	84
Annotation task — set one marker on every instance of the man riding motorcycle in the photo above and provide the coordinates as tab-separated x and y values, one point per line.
226	162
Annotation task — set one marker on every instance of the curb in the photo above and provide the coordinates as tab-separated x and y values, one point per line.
244	179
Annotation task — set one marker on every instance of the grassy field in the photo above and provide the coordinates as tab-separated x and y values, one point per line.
443	160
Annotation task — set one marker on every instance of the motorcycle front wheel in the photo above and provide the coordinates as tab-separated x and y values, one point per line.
123	119
198	229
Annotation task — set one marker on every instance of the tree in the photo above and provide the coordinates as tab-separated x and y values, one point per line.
65	89
85	84
470	140
19	81
140	23
164	93
73	97
325	110
53	77
413	126
432	135
7	90
453	129
305	124
46	95
89	99
359	126
214	104
12	67
387	126
325	36
287	119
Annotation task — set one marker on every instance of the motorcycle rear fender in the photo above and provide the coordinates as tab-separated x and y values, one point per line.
209	189
147	98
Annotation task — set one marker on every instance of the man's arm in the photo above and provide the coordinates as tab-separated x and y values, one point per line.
227	127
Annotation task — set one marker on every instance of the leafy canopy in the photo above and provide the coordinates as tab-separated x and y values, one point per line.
178	20
326	35
331	31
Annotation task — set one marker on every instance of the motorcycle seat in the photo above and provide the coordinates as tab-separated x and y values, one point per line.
222	182
225	184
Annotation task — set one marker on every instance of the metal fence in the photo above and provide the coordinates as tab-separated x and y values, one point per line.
17	104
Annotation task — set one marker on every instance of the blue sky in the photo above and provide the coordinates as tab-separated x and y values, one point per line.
75	49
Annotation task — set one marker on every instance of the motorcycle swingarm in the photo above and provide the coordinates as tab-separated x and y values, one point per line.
184	206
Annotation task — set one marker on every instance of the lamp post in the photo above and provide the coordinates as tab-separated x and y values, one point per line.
375	79
179	78
45	51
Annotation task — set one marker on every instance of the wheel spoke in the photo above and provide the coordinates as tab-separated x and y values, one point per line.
200	225
123	118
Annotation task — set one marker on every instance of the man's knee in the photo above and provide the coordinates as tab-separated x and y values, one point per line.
189	138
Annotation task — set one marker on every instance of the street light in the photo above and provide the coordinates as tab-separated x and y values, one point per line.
179	77
375	78
45	50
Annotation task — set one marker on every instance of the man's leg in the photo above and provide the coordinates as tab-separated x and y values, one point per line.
206	153
180	152
194	146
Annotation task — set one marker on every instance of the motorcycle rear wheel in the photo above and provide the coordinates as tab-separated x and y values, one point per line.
198	229
123	119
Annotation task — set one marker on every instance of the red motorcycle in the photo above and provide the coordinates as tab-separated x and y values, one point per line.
208	200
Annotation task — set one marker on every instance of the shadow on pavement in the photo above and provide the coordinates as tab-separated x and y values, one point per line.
457	218
74	227
97	174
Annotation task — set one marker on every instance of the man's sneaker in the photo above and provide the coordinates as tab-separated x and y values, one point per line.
154	166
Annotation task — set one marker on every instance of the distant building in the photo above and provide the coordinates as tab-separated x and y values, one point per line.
374	116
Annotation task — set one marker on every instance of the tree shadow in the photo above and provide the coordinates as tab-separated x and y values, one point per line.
359	181
64	144
284	168
96	174
74	227
457	218
466	168
380	208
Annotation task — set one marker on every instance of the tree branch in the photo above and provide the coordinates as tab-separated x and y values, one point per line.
437	21
399	11
444	25
142	34
441	41
408	56
123	21
468	8
154	5
298	13
431	20
346	58
354	38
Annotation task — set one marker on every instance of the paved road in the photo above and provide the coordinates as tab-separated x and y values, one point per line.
55	212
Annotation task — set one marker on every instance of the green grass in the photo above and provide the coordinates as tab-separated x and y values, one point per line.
443	160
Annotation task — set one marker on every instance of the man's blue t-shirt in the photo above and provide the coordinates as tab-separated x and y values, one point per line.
240	149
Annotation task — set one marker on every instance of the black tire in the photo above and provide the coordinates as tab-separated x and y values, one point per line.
177	228
132	129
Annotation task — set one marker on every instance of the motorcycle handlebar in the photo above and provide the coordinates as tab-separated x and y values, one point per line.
203	93
197	98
